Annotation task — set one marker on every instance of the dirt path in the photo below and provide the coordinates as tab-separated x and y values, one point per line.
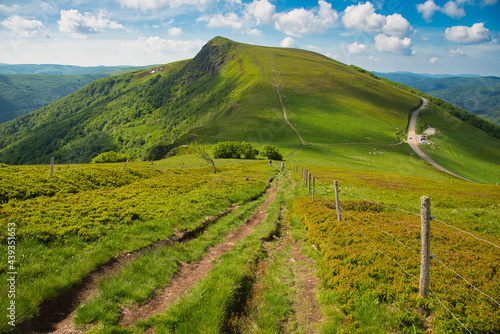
282	104
190	273
57	315
414	141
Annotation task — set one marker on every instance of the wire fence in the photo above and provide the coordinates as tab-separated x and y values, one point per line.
307	179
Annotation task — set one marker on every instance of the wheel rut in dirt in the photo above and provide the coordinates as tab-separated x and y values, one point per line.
190	273
56	315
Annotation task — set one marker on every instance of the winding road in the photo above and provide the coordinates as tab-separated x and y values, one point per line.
414	140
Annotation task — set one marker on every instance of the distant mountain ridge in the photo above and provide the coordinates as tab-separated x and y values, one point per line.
65	69
25	88
477	94
228	91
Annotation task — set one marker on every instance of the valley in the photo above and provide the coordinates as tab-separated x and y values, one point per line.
165	245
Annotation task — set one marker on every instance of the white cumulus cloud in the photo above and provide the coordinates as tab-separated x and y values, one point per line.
261	10
433	60
427	9
229	20
452	10
356	48
80	25
288	42
175	31
394	44
468	35
300	21
25	28
364	18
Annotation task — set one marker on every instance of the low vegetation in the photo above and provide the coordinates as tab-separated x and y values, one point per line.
234	150
109	157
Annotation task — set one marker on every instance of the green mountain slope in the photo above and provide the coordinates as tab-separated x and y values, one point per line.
231	91
479	95
21	94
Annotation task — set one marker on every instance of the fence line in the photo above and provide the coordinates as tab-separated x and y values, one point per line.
396	239
366	223
416	214
449	311
472	235
378	249
444	265
399	265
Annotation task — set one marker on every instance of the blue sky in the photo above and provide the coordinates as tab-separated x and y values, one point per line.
423	36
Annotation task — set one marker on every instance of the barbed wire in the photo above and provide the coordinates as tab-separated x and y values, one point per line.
416	214
397	263
444	265
384	205
449	311
472	235
375	246
375	227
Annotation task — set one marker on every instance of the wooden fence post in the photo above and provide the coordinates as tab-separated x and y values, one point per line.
337	201
51	166
310	179
314	186
126	162
425	212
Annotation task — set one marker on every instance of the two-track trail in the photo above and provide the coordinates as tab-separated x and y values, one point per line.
190	273
58	315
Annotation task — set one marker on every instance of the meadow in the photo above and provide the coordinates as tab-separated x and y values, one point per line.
84	216
370	262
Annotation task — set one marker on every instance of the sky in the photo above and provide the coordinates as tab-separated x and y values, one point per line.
422	36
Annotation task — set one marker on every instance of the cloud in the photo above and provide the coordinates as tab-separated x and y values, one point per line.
394	44
427	9
262	10
144	5
488	3
288	42
156	44
230	20
253	32
299	21
364	18
473	35
175	31
433	60
452	10
81	25
356	48
25	28
456	52
7	9
372	58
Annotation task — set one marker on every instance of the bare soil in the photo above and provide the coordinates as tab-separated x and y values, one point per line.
190	273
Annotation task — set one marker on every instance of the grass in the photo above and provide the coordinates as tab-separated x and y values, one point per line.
462	148
140	279
62	237
361	284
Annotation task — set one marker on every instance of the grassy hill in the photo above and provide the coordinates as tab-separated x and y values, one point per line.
479	95
234	91
25	88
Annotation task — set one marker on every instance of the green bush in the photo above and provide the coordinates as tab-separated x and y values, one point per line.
109	157
235	150
271	152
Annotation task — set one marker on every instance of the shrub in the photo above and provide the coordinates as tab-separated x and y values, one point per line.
271	152
109	157
235	150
